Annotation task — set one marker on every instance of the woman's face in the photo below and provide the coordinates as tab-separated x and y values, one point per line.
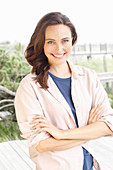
58	43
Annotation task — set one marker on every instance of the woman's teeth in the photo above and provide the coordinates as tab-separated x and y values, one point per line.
58	56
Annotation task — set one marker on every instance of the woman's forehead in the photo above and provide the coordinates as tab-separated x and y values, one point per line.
55	31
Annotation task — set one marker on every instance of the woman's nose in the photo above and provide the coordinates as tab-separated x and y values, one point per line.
59	48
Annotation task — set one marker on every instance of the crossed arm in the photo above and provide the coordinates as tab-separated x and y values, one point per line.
65	139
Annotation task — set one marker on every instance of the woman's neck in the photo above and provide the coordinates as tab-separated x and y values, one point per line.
62	70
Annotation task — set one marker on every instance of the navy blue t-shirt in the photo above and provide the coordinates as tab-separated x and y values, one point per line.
64	85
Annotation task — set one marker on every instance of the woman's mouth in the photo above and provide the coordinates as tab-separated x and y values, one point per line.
59	56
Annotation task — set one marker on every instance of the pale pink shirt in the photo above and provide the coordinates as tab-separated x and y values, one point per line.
32	100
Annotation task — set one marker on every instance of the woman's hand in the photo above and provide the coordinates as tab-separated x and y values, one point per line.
95	113
42	124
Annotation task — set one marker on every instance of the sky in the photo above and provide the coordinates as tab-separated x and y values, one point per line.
92	18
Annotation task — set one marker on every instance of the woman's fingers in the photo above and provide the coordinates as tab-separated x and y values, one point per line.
39	116
99	114
37	119
41	124
95	113
95	109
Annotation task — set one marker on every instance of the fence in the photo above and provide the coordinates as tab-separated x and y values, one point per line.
95	51
106	76
92	49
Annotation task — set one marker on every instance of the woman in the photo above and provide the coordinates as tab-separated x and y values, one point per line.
60	107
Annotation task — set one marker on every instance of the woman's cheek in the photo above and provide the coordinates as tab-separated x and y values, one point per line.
68	48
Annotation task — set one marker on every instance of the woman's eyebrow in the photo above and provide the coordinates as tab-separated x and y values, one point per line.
66	38
51	39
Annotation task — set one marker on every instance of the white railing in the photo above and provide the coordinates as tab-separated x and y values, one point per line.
106	76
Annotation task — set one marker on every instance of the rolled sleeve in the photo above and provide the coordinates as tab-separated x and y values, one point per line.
101	97
107	117
27	106
32	138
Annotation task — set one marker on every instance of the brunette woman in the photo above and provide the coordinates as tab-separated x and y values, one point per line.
59	106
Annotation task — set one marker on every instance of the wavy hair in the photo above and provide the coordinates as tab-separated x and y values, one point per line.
34	52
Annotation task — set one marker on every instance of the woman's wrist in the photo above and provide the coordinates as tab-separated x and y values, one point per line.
65	134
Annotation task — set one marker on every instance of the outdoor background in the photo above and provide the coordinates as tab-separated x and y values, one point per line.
18	19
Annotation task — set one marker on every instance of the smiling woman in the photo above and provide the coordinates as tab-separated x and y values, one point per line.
60	107
53	32
58	45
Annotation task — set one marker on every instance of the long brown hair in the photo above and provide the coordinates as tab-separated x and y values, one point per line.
34	53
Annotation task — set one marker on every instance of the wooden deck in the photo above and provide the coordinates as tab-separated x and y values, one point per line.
14	155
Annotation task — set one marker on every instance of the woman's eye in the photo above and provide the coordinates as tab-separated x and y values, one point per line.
66	41
50	42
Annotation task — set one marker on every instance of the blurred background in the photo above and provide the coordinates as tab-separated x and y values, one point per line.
18	19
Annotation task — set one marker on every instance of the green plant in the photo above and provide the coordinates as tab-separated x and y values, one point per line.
13	68
9	131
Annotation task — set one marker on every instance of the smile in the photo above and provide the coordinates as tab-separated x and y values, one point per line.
58	56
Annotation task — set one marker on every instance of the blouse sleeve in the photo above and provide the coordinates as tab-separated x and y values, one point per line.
27	106
101	97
